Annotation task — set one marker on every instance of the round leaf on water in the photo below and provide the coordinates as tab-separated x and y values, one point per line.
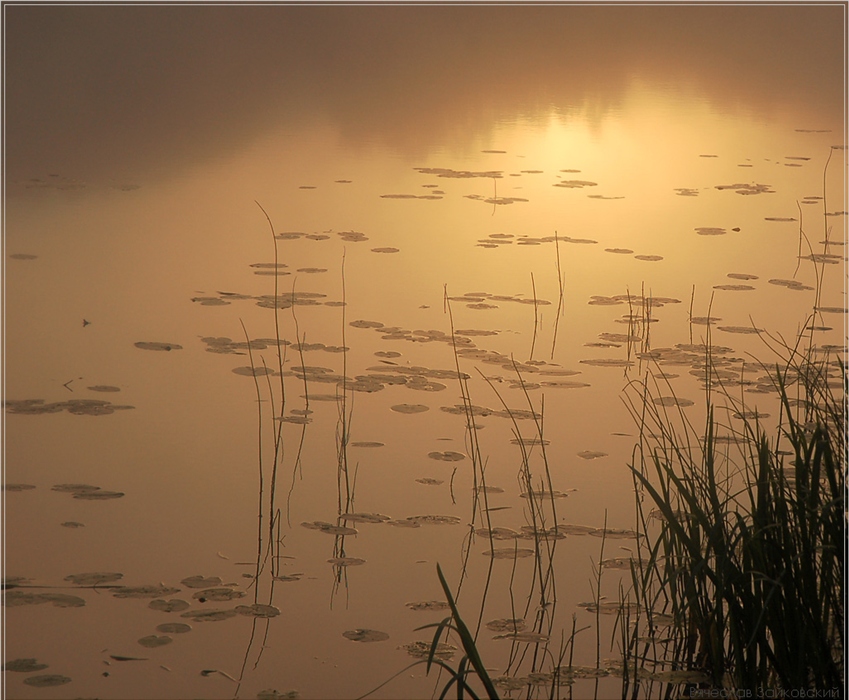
364	443
258	610
421	650
410	408
623	563
403	523
607	362
740	329
543	493
252	371
173	605
18	487
74	488
152	641
201	582
329	528
174	628
528	637
672	401
143	591
365	517
218	594
506	625
591	454
72	524
435	519
613	533
509	553
428	605
98	495
447	456
508	683
23	666
430	482
46	680
93	579
274	695
346	561
209	615
158	346
364	635
734	287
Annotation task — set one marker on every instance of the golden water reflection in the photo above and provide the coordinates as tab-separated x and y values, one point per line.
657	173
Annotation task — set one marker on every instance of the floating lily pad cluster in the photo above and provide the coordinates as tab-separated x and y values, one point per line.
78	407
87	492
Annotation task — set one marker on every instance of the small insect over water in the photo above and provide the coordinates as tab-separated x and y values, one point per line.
86	323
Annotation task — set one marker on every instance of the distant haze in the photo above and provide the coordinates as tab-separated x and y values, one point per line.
100	91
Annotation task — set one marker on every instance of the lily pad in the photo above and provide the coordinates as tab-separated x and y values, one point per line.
447	456
258	610
527	637
427	605
410	408
165	347
435	519
329	528
18	487
46	680
365	517
152	641
14	598
672	401
252	371
506	625
591	454
98	495
143	591
74	488
421	650
201	582
93	579
209	615
346	561
23	666
734	287
613	533
271	694
218	594
740	329
623	563
365	635
403	523
509	553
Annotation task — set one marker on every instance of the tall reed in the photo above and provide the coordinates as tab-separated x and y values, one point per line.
747	562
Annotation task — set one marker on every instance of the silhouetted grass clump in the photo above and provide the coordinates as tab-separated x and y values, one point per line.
741	584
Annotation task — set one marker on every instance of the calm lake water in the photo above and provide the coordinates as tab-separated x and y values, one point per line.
572	191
